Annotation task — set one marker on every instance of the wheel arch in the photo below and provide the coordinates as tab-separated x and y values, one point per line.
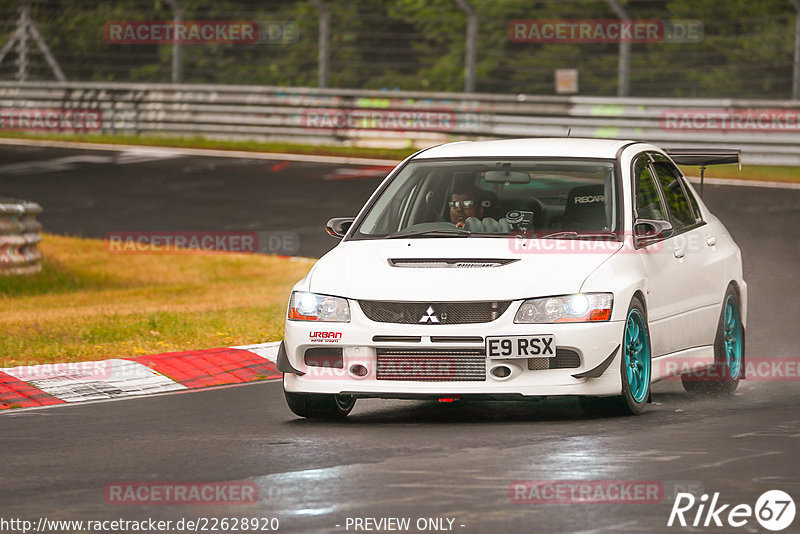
639	294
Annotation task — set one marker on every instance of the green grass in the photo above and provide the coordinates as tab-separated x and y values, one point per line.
202	142
87	304
115	335
55	278
760	173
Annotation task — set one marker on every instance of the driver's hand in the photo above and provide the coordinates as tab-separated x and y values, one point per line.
459	225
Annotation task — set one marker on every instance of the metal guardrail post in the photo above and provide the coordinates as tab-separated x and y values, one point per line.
19	237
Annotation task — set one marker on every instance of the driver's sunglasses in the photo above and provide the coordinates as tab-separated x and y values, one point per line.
455	204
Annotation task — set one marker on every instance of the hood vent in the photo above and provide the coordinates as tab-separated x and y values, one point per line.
450	263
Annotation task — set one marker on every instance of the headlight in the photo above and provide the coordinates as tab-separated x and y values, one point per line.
304	306
569	308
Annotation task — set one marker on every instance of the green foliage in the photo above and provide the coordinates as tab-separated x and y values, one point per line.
747	49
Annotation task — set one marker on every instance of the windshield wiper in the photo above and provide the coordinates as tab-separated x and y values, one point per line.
458	232
573	234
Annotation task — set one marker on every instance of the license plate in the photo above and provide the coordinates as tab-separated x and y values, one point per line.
538	346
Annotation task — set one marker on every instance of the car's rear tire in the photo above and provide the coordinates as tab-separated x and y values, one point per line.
635	364
319	405
723	377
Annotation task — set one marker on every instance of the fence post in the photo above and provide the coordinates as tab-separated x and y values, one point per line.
624	63
22	42
177	63
796	70
26	29
324	41
470	45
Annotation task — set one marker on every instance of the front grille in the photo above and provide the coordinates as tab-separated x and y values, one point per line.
324	357
456	339
564	359
396	339
433	312
431	365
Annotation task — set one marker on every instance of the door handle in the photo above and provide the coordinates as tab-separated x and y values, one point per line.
711	241
679	253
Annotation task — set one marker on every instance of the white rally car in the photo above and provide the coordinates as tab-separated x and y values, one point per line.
522	268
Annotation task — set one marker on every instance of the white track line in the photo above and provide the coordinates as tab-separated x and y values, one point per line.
103	379
22	412
99	380
268	351
346	160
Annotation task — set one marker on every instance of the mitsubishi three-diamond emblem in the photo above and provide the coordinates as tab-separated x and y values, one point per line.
430	317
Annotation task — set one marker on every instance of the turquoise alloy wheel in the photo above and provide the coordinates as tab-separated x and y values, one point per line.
729	353
733	338
637	356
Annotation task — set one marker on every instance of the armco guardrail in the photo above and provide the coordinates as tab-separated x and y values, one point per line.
19	237
768	132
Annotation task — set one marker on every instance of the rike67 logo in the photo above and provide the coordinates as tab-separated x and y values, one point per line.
774	510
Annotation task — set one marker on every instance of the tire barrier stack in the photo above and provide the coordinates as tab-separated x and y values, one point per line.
19	237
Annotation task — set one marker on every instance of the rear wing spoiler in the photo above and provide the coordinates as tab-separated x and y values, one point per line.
705	156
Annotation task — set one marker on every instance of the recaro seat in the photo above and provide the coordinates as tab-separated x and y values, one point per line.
493	209
585	209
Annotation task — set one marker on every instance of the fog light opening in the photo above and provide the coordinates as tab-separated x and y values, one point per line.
501	371
358	370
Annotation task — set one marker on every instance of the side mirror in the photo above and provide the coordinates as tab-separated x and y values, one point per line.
647	231
339	226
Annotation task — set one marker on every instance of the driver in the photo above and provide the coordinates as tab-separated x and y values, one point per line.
465	203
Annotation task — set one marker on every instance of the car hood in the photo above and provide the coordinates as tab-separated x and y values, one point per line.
540	267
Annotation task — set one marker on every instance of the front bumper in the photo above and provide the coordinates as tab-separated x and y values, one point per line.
595	344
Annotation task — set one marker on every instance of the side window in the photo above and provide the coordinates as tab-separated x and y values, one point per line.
677	204
693	201
648	201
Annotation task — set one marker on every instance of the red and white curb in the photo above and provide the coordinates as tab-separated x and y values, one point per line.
48	384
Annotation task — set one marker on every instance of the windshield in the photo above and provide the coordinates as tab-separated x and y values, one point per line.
562	198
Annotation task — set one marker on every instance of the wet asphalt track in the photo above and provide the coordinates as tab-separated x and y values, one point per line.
389	458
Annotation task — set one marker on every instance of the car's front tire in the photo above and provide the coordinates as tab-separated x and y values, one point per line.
635	364
319	405
722	378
